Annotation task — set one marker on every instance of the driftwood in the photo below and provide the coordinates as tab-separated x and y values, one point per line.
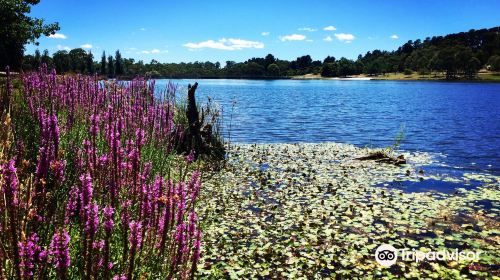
192	111
198	135
383	158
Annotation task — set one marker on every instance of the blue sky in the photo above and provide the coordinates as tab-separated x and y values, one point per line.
188	30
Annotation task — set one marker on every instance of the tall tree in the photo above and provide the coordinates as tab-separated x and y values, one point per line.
46	59
78	60
17	29
103	63
111	67
62	61
90	63
329	59
118	63
37	60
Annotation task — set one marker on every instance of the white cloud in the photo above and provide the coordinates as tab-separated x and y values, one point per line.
225	44
57	36
307	29
153	51
328	38
343	37
142	29
265	33
86	46
330	28
394	37
66	48
293	37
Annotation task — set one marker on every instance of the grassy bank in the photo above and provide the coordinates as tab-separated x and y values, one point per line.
482	76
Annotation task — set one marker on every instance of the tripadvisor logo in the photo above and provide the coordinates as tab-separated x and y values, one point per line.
386	255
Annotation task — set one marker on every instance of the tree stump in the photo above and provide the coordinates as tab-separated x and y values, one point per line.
192	139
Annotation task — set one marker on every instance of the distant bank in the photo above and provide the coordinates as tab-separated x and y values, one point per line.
482	76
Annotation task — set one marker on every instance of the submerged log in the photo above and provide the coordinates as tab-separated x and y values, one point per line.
381	157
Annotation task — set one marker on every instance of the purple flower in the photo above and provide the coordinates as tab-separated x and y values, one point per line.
196	247
180	240
87	189
94	125
72	204
193	218
194	185
57	167
135	234
139	135
108	218
28	251
92	222
55	132
59	249
10	182
124	212
190	157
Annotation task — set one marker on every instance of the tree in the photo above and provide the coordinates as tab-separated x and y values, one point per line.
46	59
111	67
268	60
447	62
62	61
17	29
90	63
494	63
103	63
345	67
329	59
473	66
37	60
253	69
118	63
329	69
273	70
304	62
78	60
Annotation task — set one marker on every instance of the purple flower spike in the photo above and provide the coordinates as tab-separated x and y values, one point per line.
59	249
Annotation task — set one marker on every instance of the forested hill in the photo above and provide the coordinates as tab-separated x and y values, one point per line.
458	55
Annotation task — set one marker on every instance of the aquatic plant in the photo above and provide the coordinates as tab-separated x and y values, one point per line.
105	197
312	211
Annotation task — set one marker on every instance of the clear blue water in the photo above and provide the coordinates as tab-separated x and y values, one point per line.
459	120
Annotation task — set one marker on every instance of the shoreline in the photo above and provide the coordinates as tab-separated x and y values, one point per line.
482	78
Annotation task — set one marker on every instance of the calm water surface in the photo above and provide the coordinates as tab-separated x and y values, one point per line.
459	120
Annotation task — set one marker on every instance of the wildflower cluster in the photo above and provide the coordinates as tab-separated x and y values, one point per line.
105	197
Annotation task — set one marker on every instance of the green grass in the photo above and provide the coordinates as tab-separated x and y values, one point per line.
482	76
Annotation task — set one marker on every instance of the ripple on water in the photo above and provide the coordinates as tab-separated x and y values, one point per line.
430	185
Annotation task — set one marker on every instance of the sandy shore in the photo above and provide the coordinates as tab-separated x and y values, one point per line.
318	77
297	211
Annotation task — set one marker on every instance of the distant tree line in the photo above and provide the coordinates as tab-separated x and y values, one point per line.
461	54
455	55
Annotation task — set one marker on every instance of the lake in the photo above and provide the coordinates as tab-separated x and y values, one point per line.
460	122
